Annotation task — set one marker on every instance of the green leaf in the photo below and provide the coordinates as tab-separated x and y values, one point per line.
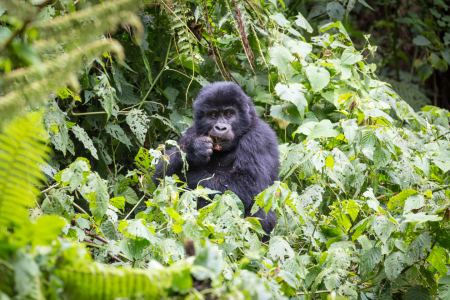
117	133
365	4
421	217
397	202
323	129
46	230
208	263
381	157
383	227
394	265
96	192
81	134
5	33
417	293
293	93
301	21
420	40
414	202
335	11
318	77
349	57
350	130
136	228
76	174
280	57
138	120
280	19
369	261
418	249
280	249
299	47
438	258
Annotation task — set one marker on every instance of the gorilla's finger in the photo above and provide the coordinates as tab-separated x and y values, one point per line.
205	139
209	151
209	145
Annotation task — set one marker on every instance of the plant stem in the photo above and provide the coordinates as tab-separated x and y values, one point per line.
157	77
134	208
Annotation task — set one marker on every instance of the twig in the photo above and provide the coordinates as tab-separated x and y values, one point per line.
157	77
247	49
96	236
210	41
50	188
134	208
82	210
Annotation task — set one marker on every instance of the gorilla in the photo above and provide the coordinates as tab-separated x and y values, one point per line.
227	140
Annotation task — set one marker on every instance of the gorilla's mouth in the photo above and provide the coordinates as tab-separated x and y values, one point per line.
217	139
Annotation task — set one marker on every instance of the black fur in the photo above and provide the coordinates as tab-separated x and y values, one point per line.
247	162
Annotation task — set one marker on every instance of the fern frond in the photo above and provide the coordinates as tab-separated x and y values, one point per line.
50	75
22	148
96	281
84	27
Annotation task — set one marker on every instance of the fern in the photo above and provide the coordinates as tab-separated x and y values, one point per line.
22	148
95	281
29	86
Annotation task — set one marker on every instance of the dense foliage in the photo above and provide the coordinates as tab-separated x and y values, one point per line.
363	200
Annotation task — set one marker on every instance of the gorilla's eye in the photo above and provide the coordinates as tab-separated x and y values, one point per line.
228	114
212	115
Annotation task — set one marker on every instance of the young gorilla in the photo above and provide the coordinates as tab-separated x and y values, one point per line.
229	141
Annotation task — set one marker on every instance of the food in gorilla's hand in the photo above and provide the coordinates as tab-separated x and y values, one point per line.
217	147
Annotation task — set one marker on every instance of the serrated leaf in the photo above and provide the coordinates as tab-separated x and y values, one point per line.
299	47
394	265
323	129
318	77
397	202
138	120
369	261
279	249
350	130
413	202
136	228
383	227
381	157
438	258
417	293
81	135
117	133
96	192
418	249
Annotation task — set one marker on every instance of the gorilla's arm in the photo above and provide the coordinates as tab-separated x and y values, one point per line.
198	151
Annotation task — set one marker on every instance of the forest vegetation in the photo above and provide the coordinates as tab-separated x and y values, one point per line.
93	93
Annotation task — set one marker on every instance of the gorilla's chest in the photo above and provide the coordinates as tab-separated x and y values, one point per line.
219	162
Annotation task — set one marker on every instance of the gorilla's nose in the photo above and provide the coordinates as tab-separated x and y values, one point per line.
221	128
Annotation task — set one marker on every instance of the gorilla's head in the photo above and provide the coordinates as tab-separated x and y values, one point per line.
224	112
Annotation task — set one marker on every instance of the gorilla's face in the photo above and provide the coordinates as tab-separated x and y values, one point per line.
220	120
224	112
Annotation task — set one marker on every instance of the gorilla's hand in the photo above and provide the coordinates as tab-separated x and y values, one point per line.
199	150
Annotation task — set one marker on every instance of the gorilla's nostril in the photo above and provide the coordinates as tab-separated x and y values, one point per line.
220	128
